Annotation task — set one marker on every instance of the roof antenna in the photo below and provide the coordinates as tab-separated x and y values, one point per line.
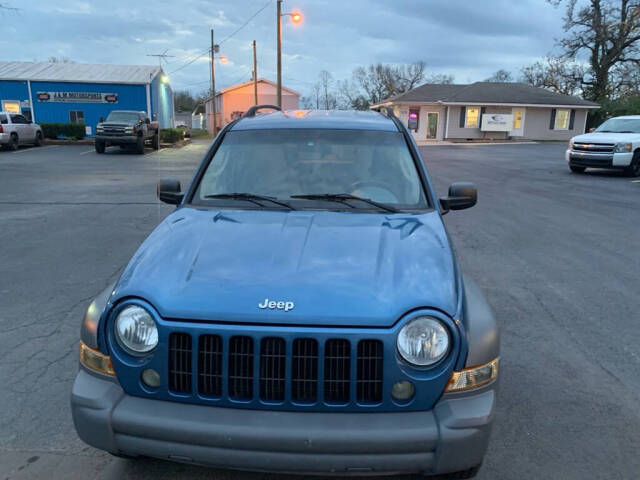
161	56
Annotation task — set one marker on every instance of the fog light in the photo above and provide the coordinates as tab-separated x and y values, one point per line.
151	378
403	391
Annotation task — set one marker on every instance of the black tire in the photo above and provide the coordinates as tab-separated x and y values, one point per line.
140	145
462	475
155	143
100	146
38	142
634	169
124	455
575	169
13	142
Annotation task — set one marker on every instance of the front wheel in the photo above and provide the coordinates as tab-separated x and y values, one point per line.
140	145
100	146
463	475
156	141
38	142
575	169
13	142
633	170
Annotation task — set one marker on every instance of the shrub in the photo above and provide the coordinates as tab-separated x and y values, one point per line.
200	133
171	135
63	130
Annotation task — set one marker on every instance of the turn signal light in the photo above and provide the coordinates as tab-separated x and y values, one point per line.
96	360
473	377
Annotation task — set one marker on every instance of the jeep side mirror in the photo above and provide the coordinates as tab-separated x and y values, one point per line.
168	191
461	195
101	119
147	121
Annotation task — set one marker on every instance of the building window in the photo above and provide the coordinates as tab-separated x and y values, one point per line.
517	120
76	116
472	117
11	106
562	120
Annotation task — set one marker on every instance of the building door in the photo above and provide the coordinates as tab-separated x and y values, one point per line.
518	122
432	125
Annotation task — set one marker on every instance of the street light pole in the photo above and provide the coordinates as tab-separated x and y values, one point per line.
279	3
213	85
255	75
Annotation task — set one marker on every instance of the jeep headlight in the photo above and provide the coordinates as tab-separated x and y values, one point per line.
136	330
622	147
423	341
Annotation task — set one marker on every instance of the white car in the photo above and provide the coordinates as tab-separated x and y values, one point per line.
615	144
16	130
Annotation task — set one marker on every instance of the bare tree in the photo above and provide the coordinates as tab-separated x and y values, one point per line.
500	76
380	81
439	78
556	74
609	32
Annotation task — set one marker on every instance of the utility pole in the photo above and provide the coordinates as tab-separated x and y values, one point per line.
279	9
255	75
213	85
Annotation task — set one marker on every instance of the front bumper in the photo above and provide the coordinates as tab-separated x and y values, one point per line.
598	160
117	139
452	436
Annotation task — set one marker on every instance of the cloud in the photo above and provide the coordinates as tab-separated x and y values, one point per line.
467	39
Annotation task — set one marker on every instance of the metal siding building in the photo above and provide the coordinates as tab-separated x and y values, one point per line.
45	91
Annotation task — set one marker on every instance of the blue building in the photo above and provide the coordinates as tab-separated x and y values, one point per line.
82	93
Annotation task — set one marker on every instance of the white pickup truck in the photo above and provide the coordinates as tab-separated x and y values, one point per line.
615	144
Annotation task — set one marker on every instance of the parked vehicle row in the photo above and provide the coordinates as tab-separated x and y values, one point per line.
16	130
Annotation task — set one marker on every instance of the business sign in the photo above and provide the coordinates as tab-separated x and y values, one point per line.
77	97
497	122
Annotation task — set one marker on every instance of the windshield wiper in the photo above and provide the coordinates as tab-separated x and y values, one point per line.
343	198
250	197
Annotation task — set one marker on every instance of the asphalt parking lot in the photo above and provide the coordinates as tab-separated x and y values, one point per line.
556	253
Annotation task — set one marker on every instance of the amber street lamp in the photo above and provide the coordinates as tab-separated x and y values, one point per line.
296	18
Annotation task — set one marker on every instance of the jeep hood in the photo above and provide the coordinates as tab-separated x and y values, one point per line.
604	137
337	268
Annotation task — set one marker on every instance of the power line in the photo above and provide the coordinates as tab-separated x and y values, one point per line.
245	23
189	62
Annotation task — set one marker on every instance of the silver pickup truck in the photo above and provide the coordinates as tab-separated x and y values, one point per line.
16	130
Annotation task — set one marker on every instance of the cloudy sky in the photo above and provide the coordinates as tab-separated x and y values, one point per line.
465	38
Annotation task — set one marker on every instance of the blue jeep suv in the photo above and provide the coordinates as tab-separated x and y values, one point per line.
301	311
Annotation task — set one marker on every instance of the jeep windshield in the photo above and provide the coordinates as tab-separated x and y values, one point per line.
620	125
314	169
124	117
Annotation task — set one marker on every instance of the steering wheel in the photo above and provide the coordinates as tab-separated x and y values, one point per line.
377	191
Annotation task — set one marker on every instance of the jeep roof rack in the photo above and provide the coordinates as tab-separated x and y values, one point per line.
385	110
253	110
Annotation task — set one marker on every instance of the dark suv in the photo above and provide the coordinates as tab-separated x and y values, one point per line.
302	310
127	128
